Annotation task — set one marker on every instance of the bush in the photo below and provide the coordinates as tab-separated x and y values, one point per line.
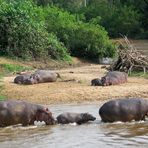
116	18
91	41
22	35
57	50
86	40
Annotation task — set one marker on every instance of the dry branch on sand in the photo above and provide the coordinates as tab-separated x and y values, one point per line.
129	58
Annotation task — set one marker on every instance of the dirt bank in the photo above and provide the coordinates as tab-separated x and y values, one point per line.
75	91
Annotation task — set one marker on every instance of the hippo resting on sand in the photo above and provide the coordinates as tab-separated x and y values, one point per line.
25	79
78	118
43	76
21	112
96	82
114	78
124	110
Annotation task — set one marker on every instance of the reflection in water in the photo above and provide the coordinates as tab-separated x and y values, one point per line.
95	134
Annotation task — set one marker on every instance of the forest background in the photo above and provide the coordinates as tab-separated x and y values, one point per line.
59	29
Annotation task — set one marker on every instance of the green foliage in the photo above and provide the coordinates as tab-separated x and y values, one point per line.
57	50
87	40
115	18
43	2
2	98
22	35
139	74
125	21
91	41
32	32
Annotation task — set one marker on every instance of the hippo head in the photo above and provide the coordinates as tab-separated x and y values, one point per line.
88	117
105	81
30	81
46	116
96	82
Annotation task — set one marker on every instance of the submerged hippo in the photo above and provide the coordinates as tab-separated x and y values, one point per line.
78	118
21	112
96	82
43	76
124	110
114	78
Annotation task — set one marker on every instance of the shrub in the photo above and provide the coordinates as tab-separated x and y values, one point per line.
22	35
57	50
23	32
83	39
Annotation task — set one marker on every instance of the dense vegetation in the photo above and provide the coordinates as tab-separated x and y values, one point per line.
128	17
42	29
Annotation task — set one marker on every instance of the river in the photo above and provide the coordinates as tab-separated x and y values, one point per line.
95	134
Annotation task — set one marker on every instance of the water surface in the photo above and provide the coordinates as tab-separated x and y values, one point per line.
95	134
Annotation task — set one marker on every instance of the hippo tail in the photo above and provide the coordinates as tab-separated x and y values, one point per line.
58	76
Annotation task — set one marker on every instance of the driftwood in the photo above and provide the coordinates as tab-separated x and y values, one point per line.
129	59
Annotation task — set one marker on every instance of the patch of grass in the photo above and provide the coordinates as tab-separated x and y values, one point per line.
139	74
8	68
2	98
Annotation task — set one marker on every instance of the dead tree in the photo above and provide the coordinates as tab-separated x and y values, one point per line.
129	58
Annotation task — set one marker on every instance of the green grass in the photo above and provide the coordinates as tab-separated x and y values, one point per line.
2	98
8	68
139	74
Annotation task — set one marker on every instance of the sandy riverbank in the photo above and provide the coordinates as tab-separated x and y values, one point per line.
77	91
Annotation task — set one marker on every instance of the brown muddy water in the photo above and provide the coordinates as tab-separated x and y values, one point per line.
95	134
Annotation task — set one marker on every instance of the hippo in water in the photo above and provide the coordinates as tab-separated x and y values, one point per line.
43	76
124	110
78	118
21	112
114	78
96	82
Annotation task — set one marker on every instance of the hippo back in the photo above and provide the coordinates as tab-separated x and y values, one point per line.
124	110
78	118
46	76
113	78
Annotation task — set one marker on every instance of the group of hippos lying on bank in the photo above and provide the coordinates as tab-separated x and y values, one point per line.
21	112
43	76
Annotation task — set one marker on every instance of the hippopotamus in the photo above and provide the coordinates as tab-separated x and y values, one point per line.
26	79
21	78
14	112
78	118
114	78
96	82
124	110
43	76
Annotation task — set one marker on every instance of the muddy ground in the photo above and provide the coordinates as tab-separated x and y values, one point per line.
77	90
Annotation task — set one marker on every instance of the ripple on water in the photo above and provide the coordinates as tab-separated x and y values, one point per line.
95	134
